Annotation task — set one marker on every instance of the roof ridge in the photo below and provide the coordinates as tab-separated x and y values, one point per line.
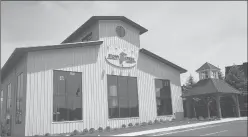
214	83
209	65
224	83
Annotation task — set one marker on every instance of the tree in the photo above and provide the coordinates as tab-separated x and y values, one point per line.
189	83
236	78
221	75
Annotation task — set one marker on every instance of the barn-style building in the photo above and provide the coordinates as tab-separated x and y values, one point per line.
99	76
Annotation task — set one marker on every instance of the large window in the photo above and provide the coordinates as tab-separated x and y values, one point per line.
163	97
67	96
19	99
122	97
8	98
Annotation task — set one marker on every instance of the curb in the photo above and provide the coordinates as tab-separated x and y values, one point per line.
180	127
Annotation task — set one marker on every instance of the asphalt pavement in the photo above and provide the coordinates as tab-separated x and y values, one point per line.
234	128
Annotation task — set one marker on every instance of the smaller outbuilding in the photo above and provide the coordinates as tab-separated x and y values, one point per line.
211	96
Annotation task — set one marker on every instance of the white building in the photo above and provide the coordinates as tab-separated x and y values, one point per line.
99	76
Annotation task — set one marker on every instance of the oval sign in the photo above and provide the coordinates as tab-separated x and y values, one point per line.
121	58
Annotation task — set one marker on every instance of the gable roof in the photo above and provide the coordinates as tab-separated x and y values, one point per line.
207	66
21	52
181	70
210	86
94	19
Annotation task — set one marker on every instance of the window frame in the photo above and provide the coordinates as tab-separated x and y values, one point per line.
166	98
19	98
1	100
55	94
118	98
9	98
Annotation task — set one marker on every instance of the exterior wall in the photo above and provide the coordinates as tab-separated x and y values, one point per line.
107	30
21	67
40	66
95	33
91	62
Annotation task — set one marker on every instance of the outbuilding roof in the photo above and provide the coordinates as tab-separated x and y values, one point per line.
207	66
210	86
94	19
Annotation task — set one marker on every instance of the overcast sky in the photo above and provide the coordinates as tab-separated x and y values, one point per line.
186	33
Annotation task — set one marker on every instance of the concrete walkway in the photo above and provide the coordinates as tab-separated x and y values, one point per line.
181	127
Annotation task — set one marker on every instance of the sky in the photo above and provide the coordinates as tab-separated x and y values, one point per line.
187	33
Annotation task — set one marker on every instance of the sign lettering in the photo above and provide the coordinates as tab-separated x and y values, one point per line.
121	58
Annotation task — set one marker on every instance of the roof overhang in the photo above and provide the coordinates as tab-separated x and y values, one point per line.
21	52
181	70
94	19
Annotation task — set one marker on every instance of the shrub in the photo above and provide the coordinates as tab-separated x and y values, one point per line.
123	126
47	134
144	124
130	124
161	120
201	118
92	130
36	135
108	128
75	132
85	131
137	124
156	121
100	129
115	128
194	119
150	122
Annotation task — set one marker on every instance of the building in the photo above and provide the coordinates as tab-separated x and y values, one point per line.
99	76
243	89
211	96
242	67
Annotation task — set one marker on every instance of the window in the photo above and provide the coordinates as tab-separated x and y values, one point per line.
1	101
8	98
19	99
163	97
122	97
206	74
88	37
67	96
120	31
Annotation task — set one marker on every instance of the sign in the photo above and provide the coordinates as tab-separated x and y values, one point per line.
121	57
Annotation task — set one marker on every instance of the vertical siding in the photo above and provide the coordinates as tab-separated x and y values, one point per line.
91	62
146	70
40	87
20	67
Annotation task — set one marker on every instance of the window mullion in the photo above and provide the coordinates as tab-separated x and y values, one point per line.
129	108
66	101
118	98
